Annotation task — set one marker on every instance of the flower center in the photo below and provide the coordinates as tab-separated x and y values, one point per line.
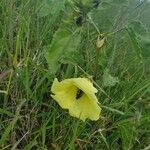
79	94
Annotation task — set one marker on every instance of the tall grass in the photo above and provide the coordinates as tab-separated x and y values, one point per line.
44	39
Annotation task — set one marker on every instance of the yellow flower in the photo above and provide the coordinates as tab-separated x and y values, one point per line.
78	96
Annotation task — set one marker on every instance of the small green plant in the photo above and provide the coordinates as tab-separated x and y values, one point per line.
106	41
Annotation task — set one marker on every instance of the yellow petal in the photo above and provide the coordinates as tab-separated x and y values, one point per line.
66	98
85	85
60	86
85	108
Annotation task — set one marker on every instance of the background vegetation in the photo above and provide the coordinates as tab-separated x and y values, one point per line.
44	39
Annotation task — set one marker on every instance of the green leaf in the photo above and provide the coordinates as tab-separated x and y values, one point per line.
134	43
138	27
142	37
109	80
64	41
51	7
119	2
